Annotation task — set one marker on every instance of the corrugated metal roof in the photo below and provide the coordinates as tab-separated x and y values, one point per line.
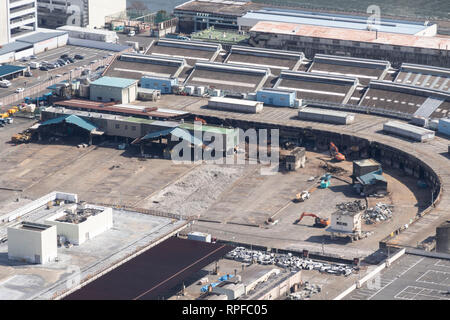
293	29
371	178
177	132
13	47
333	20
72	119
7	69
114	82
40	36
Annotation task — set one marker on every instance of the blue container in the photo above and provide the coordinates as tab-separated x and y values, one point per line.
159	83
275	97
444	126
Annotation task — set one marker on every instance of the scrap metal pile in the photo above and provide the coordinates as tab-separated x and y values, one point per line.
380	212
305	292
287	261
352	206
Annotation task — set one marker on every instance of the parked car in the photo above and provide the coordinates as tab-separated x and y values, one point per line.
19	90
61	62
78	57
33	57
51	66
28	74
64	56
34	65
5	84
69	60
25	59
43	68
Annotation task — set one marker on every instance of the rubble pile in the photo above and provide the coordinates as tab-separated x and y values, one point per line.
287	261
352	206
305	292
380	212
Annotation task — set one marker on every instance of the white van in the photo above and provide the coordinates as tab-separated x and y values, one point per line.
35	65
5	84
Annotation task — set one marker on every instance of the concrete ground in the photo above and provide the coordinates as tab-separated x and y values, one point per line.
409	278
131	232
233	202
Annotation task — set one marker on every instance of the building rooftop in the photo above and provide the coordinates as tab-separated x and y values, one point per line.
114	82
366	162
371	178
333	20
32	226
221	7
8	69
40	36
352	35
13	47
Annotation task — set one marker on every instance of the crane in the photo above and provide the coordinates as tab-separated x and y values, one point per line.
318	222
334	152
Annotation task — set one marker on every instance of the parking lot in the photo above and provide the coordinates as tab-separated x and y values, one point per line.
410	278
90	54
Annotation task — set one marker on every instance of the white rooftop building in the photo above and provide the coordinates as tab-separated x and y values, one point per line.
79	224
32	242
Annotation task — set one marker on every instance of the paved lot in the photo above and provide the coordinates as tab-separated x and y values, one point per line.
410	278
90	54
131	232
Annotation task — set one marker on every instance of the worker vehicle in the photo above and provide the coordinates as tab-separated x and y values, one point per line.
23	137
302	196
335	154
203	121
5	84
325	181
35	65
318	222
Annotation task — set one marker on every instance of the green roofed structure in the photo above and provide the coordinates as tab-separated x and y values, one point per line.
108	89
8	71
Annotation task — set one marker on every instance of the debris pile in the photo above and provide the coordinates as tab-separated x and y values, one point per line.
287	261
380	212
352	206
305	292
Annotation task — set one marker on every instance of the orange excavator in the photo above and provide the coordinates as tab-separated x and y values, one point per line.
334	152
203	121
318	222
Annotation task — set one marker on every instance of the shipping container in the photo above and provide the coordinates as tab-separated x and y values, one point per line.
199	236
328	116
237	105
444	126
276	97
408	131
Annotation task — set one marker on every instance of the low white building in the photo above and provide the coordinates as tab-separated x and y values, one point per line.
32	242
345	222
78	224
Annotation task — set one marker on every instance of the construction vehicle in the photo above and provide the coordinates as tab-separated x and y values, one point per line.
335	154
302	196
318	222
203	121
325	181
22	137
